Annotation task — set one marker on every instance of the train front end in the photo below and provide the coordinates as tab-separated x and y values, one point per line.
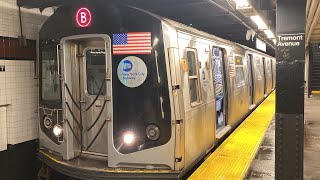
104	102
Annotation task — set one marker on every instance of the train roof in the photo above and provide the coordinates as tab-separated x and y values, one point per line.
193	30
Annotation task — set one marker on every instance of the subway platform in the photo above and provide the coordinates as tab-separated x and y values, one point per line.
262	166
254	156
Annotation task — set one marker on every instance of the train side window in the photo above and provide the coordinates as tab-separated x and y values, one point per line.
193	76
240	76
240	79
258	65
269	68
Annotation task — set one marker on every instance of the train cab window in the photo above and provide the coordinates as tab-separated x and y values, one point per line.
50	80
95	71
193	76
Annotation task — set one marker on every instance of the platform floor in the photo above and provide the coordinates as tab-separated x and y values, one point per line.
262	167
312	137
232	159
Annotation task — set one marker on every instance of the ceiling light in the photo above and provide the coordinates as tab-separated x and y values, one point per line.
259	22
242	3
269	34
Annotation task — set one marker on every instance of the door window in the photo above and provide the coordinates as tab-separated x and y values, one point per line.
193	76
95	71
240	79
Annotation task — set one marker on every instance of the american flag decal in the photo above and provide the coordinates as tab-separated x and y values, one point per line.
232	71
131	43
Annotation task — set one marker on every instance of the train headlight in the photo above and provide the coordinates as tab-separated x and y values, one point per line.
57	130
153	132
47	122
129	138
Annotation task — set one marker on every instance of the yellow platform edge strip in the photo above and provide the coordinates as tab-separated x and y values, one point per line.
232	159
315	92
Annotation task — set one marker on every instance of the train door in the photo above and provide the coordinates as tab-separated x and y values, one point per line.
250	78
93	97
178	107
86	84
264	75
272	80
219	86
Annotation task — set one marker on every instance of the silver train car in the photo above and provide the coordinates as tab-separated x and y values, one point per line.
128	94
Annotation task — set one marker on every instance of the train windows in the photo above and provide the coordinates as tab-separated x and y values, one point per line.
269	68
192	63
96	71
217	70
50	80
193	76
240	81
259	68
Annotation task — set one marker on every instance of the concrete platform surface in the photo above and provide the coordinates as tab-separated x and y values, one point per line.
262	167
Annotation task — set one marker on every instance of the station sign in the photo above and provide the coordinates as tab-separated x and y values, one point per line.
290	46
83	17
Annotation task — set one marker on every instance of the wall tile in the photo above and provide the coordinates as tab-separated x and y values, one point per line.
19	120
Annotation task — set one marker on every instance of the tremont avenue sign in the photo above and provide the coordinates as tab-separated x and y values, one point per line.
290	46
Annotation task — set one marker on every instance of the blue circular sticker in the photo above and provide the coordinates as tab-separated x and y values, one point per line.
132	71
127	65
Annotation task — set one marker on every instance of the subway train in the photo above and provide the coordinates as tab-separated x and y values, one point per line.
124	93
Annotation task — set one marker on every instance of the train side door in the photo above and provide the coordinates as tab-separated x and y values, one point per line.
264	75
175	66
219	86
250	77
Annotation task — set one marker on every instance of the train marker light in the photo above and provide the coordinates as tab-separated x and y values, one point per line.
153	132
128	138
83	17
57	130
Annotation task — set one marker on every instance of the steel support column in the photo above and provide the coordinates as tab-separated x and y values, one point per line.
290	55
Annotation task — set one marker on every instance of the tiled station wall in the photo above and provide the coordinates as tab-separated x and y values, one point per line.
18	85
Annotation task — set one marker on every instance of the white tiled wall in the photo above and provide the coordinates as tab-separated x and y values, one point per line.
3	128
32	20
18	121
21	95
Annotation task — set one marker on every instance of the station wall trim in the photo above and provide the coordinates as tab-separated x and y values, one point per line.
10	49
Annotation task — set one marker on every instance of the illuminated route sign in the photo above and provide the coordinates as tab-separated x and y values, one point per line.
83	17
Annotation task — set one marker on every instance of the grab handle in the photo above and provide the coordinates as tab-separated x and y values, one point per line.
161	106
58	58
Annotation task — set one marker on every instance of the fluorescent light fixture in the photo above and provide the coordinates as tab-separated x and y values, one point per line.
242	3
269	34
259	22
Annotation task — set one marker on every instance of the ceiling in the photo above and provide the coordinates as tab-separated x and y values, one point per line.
218	17
313	21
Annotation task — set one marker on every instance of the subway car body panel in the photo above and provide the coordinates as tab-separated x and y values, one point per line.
135	91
